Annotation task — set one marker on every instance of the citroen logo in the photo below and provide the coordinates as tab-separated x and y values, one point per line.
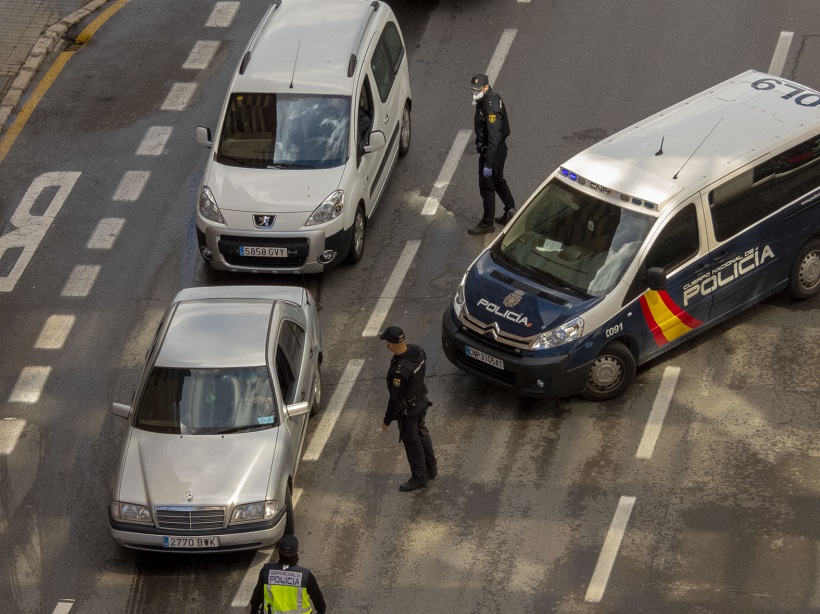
512	299
264	220
190	496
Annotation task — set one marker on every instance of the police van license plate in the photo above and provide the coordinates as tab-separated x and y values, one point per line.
190	542
485	358
265	252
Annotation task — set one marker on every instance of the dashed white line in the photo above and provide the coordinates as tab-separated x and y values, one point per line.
106	232
10	430
500	54
63	606
54	332
612	543
29	385
781	52
178	97
242	598
132	184
201	55
81	280
391	289
446	174
652	430
222	15
153	143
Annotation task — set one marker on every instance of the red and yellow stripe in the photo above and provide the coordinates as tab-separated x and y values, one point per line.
666	320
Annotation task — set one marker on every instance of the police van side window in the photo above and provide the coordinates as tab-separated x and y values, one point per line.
743	201
382	70
797	171
392	42
677	242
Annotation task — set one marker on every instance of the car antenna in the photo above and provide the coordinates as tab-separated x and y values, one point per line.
294	64
660	149
675	176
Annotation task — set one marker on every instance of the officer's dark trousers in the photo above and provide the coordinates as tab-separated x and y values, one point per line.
490	186
417	445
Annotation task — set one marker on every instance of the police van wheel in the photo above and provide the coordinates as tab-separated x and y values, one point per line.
610	374
804	280
357	238
317	393
290	524
404	138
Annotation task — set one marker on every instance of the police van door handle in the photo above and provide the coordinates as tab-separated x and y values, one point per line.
720	256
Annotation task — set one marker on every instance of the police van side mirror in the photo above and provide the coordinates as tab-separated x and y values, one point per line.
203	136
376	142
656	278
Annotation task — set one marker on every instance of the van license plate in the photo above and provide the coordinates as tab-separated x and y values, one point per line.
265	252
486	358
190	542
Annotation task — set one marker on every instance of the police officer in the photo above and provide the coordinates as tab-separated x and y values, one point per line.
286	586
492	127
408	405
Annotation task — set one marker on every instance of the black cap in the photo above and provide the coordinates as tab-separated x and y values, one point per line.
288	545
479	81
392	334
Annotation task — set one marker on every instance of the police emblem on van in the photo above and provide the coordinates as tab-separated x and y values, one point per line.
512	299
263	221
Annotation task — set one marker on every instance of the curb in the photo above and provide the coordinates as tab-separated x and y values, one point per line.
37	56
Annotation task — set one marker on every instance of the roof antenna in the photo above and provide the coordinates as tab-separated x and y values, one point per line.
660	149
675	176
294	64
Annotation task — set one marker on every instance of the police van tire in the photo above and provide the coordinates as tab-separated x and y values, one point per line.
357	237
317	393
290	523
804	280
610	374
405	131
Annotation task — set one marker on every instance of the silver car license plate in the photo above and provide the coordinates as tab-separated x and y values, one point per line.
485	358
265	252
190	542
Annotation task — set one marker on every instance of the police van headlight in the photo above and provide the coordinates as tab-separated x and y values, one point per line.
458	299
569	331
330	209
207	206
253	512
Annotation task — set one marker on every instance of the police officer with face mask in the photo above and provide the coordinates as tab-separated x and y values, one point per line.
492	127
286	586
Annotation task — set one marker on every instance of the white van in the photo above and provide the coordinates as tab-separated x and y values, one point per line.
645	239
315	118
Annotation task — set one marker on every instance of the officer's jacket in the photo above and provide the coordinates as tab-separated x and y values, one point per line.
405	382
492	125
287	589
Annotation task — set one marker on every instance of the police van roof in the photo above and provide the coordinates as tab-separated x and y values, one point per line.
701	139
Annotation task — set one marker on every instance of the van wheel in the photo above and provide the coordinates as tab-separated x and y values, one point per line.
404	139
317	393
804	280
356	238
610	374
290	523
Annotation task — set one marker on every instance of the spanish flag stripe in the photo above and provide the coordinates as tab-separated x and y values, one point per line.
680	313
650	321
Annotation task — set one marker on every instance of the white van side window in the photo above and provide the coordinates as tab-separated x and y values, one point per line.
678	242
743	201
797	171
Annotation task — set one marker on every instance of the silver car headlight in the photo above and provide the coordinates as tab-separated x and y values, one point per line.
207	206
130	512
253	512
569	331
458	299
330	209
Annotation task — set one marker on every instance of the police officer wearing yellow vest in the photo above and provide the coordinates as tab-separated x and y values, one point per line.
286	587
408	405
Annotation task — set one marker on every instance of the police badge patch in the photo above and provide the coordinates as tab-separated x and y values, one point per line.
491	117
397	381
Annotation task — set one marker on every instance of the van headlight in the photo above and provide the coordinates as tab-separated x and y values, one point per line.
458	299
130	512
207	206
253	512
569	331
330	209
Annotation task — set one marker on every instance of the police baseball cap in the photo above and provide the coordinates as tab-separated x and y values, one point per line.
392	334
479	81
288	545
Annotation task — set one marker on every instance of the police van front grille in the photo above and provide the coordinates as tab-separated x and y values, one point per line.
190	518
491	333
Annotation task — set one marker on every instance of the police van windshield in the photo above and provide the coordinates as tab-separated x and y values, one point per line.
567	239
285	131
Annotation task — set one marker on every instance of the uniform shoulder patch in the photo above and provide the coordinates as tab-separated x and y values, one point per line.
492	118
397	381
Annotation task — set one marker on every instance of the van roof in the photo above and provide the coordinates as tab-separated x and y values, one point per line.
702	139
308	41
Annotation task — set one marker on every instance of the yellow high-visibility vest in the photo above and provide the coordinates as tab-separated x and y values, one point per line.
286	591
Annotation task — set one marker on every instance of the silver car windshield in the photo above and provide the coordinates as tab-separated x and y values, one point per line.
207	401
568	239
285	131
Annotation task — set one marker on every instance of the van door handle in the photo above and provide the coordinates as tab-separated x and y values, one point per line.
720	256
386	117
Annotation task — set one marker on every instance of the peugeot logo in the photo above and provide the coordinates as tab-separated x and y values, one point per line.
190	496
263	221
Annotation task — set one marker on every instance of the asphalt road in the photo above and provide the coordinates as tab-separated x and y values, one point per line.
721	517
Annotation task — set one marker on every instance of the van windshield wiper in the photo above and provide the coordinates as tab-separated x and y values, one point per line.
288	165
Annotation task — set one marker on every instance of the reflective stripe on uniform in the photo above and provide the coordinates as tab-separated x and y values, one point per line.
286	600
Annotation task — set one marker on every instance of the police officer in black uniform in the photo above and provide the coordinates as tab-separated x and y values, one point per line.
408	405
286	586
492	127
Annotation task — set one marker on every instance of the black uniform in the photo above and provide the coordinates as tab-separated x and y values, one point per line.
308	581
408	404
492	127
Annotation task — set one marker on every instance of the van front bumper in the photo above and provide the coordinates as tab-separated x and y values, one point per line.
521	373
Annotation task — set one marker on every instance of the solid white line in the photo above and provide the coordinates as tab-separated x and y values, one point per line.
131	185
652	430
446	174
781	52
153	143
107	231
10	430
500	54
64	606
54	333
29	385
178	97
81	280
391	289
201	55
222	15
334	408
242	598
612	543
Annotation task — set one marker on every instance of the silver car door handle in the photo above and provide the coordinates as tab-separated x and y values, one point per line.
386	117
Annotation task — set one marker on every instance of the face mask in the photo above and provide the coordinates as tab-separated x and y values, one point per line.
478	95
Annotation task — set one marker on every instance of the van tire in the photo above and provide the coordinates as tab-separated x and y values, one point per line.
804	279
356	250
290	521
610	374
405	131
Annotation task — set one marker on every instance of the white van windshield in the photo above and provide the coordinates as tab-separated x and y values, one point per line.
571	240
285	131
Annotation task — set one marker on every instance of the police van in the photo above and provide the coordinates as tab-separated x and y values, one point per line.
645	239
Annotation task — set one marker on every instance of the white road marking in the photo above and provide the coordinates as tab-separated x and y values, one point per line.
54	333
500	54
446	174
330	414
612	543
242	598
132	184
153	143
63	606
81	280
652	430
10	429
222	15
178	97
781	52
201	55
391	289
29	385
815	598
29	228
297	494
106	232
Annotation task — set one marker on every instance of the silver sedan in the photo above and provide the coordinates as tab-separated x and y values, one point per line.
218	422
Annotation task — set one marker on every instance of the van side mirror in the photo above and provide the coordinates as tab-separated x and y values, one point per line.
121	409
297	409
656	278
376	142
203	136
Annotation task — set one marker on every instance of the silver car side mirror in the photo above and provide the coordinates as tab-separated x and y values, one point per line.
121	409
297	409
